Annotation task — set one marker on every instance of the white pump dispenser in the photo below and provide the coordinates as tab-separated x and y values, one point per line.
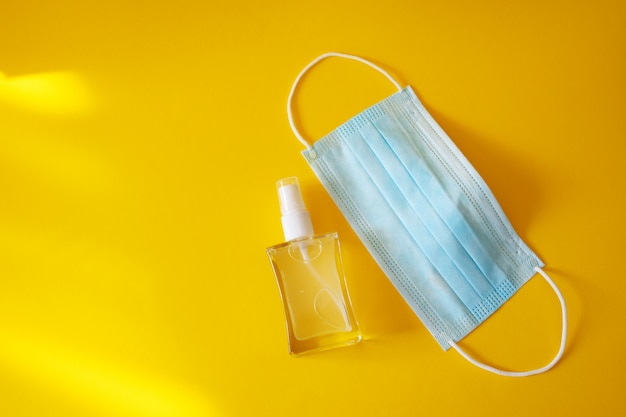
295	217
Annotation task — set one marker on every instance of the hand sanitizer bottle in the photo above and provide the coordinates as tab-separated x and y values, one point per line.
309	273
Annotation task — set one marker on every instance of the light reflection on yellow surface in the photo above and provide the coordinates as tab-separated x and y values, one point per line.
60	93
37	150
93	382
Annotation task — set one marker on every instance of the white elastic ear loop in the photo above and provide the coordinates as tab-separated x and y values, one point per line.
534	371
308	67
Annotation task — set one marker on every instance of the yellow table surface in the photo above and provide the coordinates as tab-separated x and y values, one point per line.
139	146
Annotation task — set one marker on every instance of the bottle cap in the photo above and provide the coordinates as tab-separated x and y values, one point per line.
295	217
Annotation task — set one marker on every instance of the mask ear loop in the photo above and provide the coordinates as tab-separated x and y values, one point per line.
308	67
534	371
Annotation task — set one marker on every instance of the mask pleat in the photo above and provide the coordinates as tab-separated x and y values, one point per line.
442	246
412	223
414	170
387	231
474	198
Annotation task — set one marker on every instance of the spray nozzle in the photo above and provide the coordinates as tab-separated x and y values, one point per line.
295	217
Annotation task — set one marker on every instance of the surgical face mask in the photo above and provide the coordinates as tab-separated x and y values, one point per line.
425	215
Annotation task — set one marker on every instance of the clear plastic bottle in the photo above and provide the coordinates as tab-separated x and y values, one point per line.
309	273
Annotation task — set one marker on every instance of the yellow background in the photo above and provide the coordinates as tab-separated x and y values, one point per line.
139	145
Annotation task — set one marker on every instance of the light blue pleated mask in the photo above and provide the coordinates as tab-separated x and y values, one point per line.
424	214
